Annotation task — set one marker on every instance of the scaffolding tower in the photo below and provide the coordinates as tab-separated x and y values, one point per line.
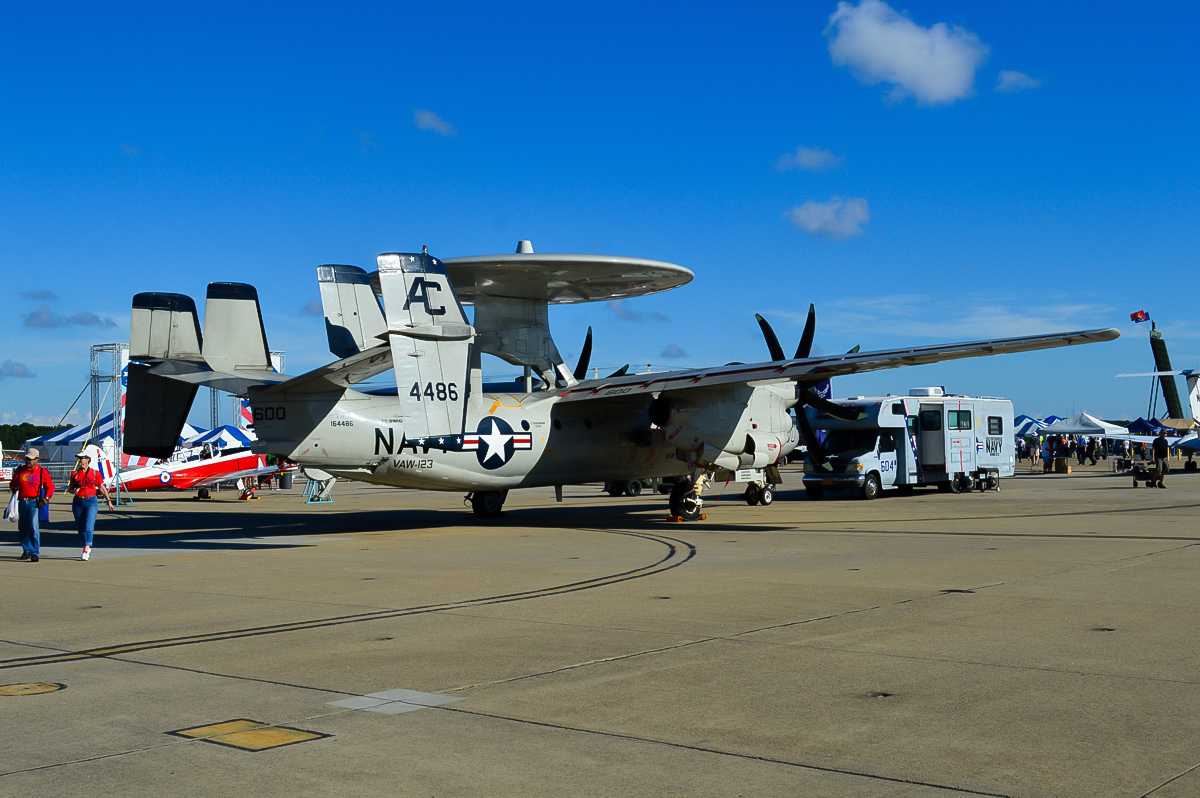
117	356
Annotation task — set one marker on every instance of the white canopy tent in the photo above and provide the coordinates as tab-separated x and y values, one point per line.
1083	424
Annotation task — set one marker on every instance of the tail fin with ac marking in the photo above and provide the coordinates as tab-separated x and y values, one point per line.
431	347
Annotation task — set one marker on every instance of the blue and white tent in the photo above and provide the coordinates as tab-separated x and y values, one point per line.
1024	426
221	437
61	447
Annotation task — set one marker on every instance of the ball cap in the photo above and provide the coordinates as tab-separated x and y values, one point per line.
32	453
83	454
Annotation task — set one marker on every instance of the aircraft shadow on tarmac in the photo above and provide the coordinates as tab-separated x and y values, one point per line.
222	530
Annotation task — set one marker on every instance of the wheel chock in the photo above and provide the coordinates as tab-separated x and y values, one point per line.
674	519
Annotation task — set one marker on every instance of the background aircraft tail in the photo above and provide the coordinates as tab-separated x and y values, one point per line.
353	319
170	358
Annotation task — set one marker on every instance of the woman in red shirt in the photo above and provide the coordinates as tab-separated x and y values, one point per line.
85	483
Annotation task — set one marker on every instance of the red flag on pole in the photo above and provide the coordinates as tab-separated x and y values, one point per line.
1139	316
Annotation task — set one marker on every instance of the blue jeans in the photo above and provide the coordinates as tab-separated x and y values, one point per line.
84	508
27	525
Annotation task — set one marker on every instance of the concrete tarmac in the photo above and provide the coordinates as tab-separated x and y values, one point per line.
1038	641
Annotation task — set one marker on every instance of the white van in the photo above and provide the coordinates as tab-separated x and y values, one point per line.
958	443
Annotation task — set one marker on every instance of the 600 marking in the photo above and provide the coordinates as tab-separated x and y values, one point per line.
270	413
435	392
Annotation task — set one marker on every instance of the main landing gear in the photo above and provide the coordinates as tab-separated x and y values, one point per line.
487	503
685	498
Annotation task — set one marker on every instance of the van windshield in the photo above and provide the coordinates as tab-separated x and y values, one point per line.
841	440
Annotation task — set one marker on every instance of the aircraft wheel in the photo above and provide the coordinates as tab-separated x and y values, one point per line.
766	495
870	488
682	503
487	503
814	492
751	495
616	488
633	487
202	493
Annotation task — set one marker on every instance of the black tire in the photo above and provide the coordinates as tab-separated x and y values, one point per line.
1135	482
751	495
203	493
487	503
766	495
953	485
680	505
870	488
814	492
633	487
966	483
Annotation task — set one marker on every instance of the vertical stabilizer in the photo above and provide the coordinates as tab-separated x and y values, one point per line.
1162	362
234	336
163	328
431	346
1193	386
353	319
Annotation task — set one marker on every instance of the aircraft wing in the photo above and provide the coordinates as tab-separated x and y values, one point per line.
232	476
815	369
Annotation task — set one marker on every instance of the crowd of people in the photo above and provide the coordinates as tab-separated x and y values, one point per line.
1086	448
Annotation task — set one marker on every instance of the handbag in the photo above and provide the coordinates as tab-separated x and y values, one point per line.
42	502
10	512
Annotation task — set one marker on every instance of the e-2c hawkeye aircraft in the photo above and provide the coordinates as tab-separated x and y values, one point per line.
442	430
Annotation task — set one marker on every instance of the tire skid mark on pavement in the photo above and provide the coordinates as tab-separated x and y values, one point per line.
678	553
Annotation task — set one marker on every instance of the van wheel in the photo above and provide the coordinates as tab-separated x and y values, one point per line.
814	492
952	485
966	483
633	487
751	495
766	495
870	488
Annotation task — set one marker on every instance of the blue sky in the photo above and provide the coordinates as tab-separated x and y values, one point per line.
859	156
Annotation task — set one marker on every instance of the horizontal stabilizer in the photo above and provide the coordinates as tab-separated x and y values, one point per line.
234	336
354	321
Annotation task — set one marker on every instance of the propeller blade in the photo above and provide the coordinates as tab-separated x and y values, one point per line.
810	328
815	454
832	409
584	357
619	372
772	340
854	351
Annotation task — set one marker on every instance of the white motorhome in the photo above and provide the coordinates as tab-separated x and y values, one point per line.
926	438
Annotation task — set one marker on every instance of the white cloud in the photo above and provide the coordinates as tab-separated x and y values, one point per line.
44	317
624	313
936	65
837	219
428	120
11	368
1010	81
74	417
812	159
673	351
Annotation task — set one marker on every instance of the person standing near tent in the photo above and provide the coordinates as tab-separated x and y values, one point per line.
85	483
33	487
1162	451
